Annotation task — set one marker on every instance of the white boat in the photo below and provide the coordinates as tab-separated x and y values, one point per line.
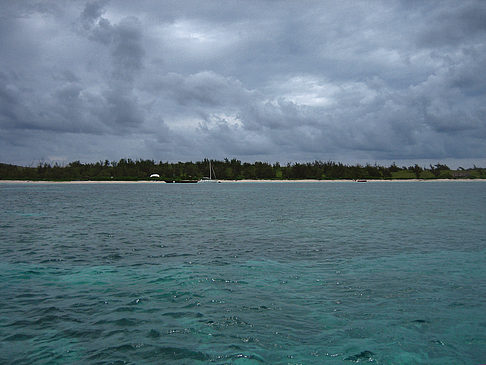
210	178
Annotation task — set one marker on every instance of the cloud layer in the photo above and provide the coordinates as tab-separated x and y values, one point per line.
276	81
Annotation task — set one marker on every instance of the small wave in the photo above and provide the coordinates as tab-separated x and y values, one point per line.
242	356
183	314
362	356
113	257
18	337
126	322
150	352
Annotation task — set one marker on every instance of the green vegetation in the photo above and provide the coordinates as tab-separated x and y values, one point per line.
127	169
403	174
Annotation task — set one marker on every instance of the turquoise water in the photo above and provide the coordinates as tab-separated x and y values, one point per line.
251	273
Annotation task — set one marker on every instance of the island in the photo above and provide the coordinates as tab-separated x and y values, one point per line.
230	170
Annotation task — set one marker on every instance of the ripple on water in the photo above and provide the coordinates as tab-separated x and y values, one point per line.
244	273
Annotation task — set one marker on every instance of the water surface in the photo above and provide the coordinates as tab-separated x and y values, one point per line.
253	273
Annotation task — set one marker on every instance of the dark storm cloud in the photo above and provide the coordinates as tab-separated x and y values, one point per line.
351	81
92	12
124	42
461	22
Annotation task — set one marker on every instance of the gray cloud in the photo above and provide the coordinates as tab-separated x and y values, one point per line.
92	12
455	24
177	80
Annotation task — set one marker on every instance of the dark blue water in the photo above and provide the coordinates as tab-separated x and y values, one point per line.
276	273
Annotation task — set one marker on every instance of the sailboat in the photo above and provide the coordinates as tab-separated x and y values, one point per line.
210	178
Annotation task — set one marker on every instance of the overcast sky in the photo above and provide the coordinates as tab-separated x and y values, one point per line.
349	81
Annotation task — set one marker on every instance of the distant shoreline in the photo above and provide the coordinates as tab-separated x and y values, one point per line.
229	181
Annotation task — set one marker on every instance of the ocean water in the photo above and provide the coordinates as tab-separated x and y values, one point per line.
250	273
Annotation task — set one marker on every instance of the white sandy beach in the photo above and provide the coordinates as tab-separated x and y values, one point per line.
80	182
334	181
233	181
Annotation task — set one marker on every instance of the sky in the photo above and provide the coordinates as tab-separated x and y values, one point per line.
267	80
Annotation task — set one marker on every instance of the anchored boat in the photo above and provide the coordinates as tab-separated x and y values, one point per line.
210	178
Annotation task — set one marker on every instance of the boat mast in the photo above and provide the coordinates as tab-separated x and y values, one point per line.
209	169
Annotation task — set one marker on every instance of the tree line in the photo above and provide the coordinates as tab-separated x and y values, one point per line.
128	169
